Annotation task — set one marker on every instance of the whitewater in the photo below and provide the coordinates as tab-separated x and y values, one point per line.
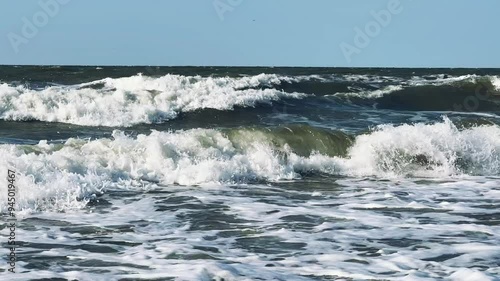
252	173
133	100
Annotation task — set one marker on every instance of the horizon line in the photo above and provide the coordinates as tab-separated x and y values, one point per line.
247	66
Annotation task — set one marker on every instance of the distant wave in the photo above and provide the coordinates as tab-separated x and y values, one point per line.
66	173
137	99
128	101
418	93
463	93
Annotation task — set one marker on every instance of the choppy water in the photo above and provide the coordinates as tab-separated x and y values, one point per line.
130	173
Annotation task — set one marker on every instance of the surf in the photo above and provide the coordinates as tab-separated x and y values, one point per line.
64	175
124	102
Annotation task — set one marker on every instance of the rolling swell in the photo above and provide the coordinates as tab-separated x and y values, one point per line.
471	94
480	95
418	93
219	100
302	140
311	85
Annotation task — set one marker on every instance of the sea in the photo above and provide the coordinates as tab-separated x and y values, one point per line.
249	173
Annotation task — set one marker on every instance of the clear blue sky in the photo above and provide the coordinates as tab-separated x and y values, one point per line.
427	33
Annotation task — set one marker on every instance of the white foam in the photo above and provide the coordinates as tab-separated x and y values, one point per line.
78	168
373	94
466	274
418	81
495	80
137	99
440	80
339	240
371	79
443	146
415	81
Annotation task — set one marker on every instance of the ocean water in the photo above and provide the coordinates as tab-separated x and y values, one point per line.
158	173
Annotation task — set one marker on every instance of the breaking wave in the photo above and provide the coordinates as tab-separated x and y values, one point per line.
136	100
67	175
125	102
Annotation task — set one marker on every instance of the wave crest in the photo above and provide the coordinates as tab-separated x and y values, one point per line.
463	93
64	174
422	150
134	100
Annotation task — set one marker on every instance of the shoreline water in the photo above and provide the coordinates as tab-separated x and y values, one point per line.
240	174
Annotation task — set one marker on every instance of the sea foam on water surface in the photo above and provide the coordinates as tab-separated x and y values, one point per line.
78	168
128	101
137	99
313	194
